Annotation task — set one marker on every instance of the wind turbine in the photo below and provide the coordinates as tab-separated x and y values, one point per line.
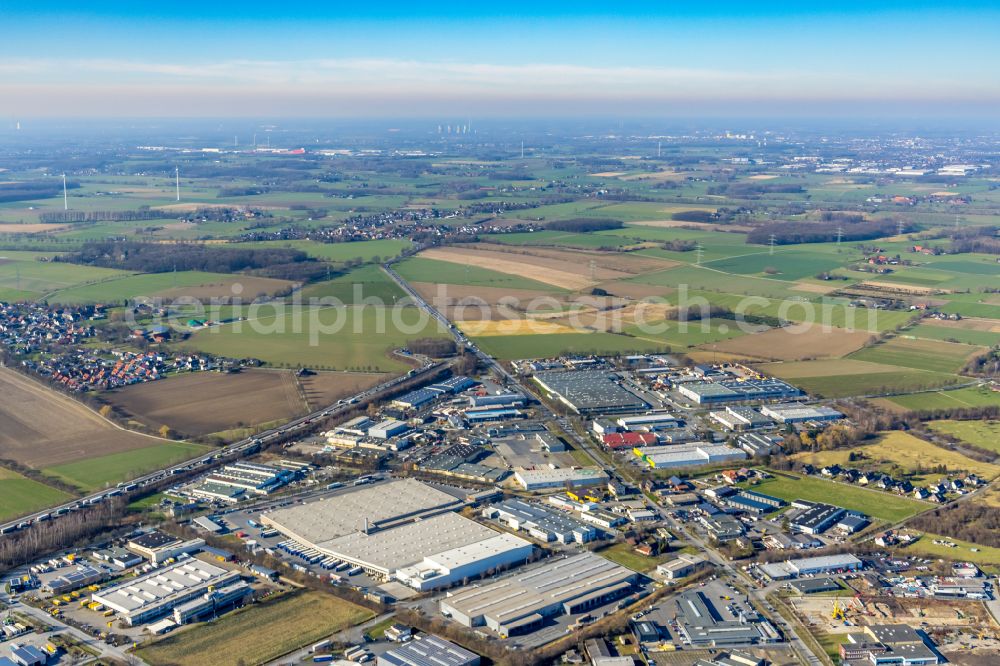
177	181
65	198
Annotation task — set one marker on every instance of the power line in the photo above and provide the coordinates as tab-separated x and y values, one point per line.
699	253
771	241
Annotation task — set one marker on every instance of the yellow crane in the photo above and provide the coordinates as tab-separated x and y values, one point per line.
838	611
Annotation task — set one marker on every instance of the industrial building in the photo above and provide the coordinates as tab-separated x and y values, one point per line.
817	517
148	597
158	547
428	650
683	565
542	479
590	391
403	529
688	455
741	418
737	390
212	602
798	413
628	440
520	603
648	422
251	477
388	428
811	565
538	522
82	576
498	400
700	625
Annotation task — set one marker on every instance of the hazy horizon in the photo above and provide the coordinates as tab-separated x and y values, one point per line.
884	59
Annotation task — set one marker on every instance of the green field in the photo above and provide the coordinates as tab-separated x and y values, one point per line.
843	377
22	274
510	347
932	355
340	252
962	552
981	434
104	471
368	282
418	269
881	505
135	286
716	331
257	634
625	555
971	396
331	338
788	264
951	333
20	495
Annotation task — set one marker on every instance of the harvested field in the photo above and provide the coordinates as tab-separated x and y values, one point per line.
326	388
200	403
40	428
482	327
635	290
562	274
782	344
896	286
933	355
614	261
969	324
812	288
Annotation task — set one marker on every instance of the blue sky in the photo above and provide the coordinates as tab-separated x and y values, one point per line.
512	58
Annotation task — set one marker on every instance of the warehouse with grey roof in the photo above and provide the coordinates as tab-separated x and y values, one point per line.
590	391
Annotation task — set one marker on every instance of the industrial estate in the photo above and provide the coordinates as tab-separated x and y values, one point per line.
407	394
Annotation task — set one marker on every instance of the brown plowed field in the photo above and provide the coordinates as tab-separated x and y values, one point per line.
40	428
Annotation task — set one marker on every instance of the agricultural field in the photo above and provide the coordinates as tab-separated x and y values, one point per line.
931	355
364	251
360	284
981	434
200	403
40	428
981	332
875	503
101	472
289	622
970	396
25	272
171	286
901	451
358	338
791	344
510	347
20	496
420	269
846	377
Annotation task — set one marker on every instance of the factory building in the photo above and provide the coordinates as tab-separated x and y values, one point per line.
498	400
741	418
542	479
520	603
688	455
251	477
648	422
388	428
682	566
158	547
699	624
798	413
212	602
589	392
148	597
428	650
403	529
811	565
541	524
737	390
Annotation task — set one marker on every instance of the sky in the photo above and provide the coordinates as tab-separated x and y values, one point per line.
220	58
